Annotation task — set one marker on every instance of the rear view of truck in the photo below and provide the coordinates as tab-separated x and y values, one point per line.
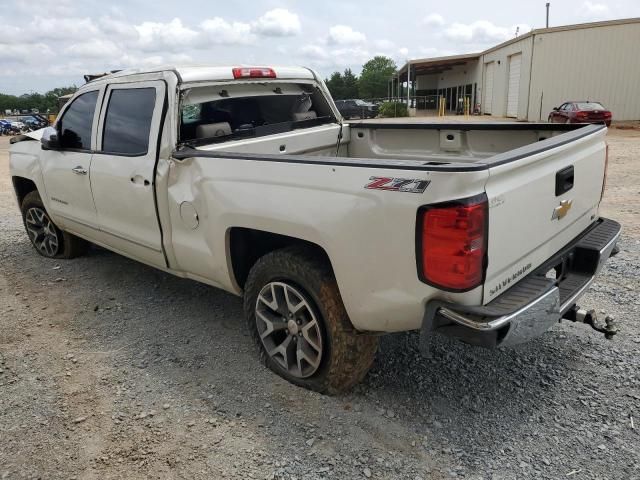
534	240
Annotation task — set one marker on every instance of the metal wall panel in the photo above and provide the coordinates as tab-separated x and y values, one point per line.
487	97
500	57
513	96
599	63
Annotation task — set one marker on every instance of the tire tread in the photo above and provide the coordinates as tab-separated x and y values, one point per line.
351	353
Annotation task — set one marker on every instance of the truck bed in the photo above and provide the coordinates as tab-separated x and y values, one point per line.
515	165
411	146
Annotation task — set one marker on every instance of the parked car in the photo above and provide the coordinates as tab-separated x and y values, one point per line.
357	109
5	127
333	233
34	122
580	112
11	127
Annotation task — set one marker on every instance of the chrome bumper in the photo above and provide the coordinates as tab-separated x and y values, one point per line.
534	304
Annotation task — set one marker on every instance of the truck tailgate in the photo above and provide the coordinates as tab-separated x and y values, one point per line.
541	197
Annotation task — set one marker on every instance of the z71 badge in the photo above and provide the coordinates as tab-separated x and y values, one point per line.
410	185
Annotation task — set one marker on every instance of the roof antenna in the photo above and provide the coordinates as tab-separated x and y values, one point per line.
548	5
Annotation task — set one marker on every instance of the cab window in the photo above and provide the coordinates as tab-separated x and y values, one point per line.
128	121
76	122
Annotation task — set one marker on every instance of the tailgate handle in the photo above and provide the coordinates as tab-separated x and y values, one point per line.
564	180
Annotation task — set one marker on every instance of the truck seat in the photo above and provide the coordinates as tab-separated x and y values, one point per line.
210	130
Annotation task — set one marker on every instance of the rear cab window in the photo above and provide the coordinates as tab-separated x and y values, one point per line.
127	123
213	114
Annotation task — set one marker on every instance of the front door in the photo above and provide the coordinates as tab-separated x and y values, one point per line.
66	171
123	168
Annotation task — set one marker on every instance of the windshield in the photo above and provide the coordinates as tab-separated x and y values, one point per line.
362	102
222	113
589	106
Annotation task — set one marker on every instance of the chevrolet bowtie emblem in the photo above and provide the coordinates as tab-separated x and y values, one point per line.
561	211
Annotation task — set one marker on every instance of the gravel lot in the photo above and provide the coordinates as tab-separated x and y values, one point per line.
110	369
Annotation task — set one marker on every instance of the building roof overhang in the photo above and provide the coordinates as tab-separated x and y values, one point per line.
434	66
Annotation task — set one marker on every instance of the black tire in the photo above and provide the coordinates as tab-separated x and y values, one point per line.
347	355
67	246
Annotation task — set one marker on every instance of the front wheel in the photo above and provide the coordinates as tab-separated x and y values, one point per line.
298	321
45	236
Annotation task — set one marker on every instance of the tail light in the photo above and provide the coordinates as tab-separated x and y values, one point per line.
452	243
253	72
582	115
606	167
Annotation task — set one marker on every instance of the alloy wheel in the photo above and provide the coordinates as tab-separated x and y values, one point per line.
42	231
289	329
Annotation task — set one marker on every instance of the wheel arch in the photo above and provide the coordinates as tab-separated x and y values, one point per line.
22	186
246	246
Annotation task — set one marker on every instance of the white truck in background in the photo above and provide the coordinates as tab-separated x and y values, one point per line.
248	179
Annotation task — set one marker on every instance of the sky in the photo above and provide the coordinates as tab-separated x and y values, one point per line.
48	44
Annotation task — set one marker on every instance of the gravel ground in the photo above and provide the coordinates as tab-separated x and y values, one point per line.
110	369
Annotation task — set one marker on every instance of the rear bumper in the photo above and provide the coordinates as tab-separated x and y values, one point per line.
530	307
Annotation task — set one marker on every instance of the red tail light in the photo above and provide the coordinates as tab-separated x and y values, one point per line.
452	243
582	115
253	72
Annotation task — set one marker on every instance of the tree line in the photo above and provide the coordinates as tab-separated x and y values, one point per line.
43	102
373	81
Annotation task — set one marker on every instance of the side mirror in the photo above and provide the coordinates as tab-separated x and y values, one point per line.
49	139
555	109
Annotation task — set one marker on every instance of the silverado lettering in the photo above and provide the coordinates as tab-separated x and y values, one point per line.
507	282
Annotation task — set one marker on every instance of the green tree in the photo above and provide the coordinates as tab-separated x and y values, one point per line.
335	84
374	79
28	101
350	84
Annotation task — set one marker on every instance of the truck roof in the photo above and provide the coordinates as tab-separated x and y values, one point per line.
200	73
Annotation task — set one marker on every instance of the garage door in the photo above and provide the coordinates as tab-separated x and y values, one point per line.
487	101
515	61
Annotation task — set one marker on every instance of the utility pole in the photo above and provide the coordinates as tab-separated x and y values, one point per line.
548	5
408	85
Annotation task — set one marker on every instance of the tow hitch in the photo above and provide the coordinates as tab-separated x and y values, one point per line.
576	314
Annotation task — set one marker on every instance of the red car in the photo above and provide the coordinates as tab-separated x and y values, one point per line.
581	112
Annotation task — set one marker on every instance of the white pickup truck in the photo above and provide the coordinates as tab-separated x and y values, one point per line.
248	179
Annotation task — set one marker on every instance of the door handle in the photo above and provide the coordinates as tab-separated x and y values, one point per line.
137	180
79	170
564	180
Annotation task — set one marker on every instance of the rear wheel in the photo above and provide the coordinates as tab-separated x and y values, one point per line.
48	240
297	319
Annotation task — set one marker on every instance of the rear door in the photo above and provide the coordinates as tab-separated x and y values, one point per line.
513	96
123	168
565	112
540	198
487	100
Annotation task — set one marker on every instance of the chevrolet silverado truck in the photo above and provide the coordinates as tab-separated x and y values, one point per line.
249	180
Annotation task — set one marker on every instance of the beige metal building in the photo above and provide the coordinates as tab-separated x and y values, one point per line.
527	76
